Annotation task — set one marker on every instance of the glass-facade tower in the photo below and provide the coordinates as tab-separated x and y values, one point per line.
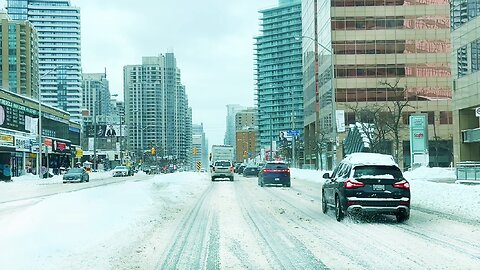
278	73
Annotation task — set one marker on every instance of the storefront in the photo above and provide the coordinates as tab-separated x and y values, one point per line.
19	124
6	149
59	156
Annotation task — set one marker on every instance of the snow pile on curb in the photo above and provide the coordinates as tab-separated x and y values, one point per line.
426	174
453	199
56	179
308	175
38	235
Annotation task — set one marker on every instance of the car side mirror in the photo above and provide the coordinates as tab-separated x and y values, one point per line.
326	176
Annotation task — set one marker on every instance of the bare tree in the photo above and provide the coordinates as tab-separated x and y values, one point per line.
382	122
394	111
370	123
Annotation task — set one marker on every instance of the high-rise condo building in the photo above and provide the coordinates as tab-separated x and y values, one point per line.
59	56
278	73
18	57
156	109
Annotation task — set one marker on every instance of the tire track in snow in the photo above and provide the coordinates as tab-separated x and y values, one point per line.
195	243
288	252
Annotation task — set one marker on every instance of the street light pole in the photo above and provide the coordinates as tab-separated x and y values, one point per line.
40	142
334	104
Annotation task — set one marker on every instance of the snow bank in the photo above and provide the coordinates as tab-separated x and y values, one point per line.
56	179
308	175
69	223
454	199
426	174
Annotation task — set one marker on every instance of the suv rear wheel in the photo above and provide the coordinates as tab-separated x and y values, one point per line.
339	215
402	216
324	204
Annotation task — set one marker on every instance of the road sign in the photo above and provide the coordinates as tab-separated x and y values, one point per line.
198	165
293	133
477	112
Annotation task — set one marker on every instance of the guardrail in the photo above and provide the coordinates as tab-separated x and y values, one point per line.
468	171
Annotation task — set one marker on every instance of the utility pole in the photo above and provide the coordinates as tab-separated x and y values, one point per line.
94	129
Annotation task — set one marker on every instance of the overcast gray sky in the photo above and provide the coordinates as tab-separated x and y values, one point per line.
212	41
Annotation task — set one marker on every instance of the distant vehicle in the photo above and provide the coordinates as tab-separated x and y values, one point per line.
222	152
251	171
222	169
274	173
241	168
367	182
76	175
153	170
120	171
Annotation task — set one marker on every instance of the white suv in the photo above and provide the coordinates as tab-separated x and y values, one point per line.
222	169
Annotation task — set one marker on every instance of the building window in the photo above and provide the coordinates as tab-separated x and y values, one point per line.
349	118
446	118
431	117
462	62
475	55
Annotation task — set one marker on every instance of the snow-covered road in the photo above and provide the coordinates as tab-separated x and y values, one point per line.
184	221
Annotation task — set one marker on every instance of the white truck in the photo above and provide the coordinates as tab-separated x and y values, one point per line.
222	152
221	159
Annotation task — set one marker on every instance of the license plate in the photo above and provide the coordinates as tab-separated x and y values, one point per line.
277	179
378	187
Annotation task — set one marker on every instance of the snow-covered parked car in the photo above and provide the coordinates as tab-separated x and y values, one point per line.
120	171
367	183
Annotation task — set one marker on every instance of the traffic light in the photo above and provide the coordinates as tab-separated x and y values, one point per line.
152	151
194	151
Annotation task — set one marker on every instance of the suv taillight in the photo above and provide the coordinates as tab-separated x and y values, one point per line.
232	169
352	183
402	184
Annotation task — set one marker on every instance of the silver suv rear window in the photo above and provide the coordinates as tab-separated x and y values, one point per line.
222	164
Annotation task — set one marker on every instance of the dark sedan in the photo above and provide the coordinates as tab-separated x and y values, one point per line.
76	175
251	171
274	173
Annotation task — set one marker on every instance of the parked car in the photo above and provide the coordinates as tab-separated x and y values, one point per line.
274	173
369	183
120	171
251	171
222	169
76	175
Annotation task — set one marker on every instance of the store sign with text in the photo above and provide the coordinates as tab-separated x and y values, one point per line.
7	140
